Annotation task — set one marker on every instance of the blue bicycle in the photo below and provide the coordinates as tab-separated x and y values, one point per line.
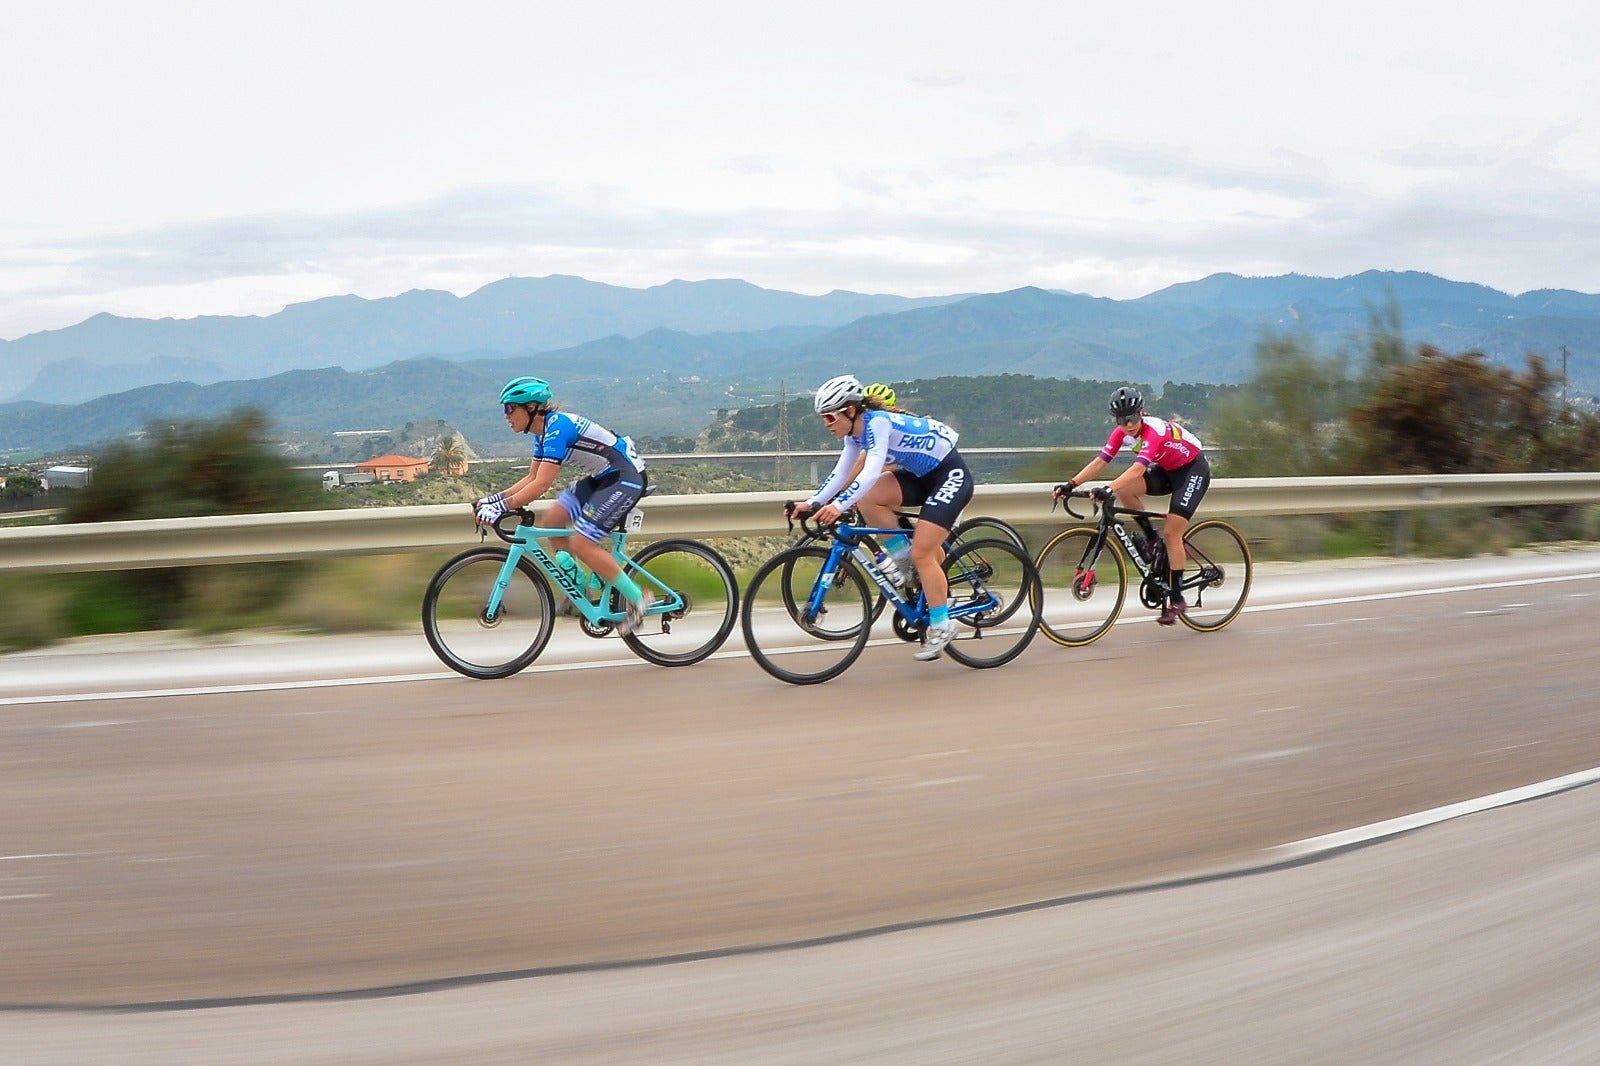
808	611
489	612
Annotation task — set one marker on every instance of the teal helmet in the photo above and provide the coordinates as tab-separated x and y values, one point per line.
526	390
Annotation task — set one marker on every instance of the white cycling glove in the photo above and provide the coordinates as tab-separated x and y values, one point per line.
490	509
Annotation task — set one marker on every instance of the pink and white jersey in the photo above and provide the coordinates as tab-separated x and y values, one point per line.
1166	444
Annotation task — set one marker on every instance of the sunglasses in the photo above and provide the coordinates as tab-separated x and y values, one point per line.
1131	420
830	417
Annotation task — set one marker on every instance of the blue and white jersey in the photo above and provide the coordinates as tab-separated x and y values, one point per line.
591	447
916	444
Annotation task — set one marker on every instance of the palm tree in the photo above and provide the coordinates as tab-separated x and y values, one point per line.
450	457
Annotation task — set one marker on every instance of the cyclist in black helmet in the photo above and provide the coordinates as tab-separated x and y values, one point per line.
1170	461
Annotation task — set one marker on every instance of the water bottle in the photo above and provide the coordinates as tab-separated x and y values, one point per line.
891	569
868	561
569	567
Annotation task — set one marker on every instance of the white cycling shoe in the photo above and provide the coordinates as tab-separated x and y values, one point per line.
934	641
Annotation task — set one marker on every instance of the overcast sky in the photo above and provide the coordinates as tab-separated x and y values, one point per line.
175	159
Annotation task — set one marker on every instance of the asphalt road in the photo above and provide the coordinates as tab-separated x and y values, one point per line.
523	861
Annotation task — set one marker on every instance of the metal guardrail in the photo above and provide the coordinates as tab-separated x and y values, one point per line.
387	530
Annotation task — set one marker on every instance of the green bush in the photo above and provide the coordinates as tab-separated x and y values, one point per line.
35	612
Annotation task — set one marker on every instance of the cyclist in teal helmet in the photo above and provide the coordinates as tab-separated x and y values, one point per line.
594	505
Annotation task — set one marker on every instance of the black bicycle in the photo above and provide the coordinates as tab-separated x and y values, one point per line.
1083	572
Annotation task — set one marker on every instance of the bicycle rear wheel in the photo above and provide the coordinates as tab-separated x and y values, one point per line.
465	637
994	588
1084	583
1217	574
697	602
818	640
984	527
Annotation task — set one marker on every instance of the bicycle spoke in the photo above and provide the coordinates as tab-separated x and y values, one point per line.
464	638
994	590
817	638
697	602
1083	588
1217	574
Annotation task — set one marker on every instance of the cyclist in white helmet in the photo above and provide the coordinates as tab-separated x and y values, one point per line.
929	472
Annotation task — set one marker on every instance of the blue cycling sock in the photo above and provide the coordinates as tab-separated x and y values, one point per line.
898	546
939	616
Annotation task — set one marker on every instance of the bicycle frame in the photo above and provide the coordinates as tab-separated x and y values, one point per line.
525	542
1110	524
846	539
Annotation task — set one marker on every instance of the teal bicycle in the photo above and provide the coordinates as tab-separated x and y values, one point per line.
490	611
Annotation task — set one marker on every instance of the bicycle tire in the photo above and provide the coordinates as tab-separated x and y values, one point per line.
781	641
698	576
1071	613
453	615
1001	570
1220	553
986	527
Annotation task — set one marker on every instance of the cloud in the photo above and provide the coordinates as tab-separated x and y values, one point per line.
885	232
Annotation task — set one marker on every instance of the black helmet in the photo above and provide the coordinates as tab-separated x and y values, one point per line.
1126	401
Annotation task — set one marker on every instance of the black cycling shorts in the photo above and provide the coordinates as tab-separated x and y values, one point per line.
1186	485
943	492
599	504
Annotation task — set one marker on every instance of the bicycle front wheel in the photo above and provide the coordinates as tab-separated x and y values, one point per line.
795	594
697	602
462	632
1084	582
1217	574
819	639
994	588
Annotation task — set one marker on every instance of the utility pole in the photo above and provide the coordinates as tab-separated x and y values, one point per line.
780	467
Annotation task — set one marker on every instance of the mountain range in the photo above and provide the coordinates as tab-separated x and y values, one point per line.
663	360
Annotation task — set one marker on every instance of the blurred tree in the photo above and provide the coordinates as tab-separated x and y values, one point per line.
1461	414
205	467
20	486
1288	418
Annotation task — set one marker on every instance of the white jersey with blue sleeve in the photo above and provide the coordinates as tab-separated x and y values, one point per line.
915	443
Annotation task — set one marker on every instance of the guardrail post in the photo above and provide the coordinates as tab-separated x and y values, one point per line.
1403	535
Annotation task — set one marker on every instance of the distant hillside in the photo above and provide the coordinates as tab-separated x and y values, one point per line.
672	382
107	354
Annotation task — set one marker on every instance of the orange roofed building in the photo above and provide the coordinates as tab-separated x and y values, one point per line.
394	467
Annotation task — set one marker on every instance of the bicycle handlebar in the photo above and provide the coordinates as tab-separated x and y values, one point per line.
521	514
1100	496
810	526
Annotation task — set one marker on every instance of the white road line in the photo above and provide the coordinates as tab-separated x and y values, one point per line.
1406	823
390	679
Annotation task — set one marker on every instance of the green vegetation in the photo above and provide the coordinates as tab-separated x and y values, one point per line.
22	486
203	467
996	411
1386	409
